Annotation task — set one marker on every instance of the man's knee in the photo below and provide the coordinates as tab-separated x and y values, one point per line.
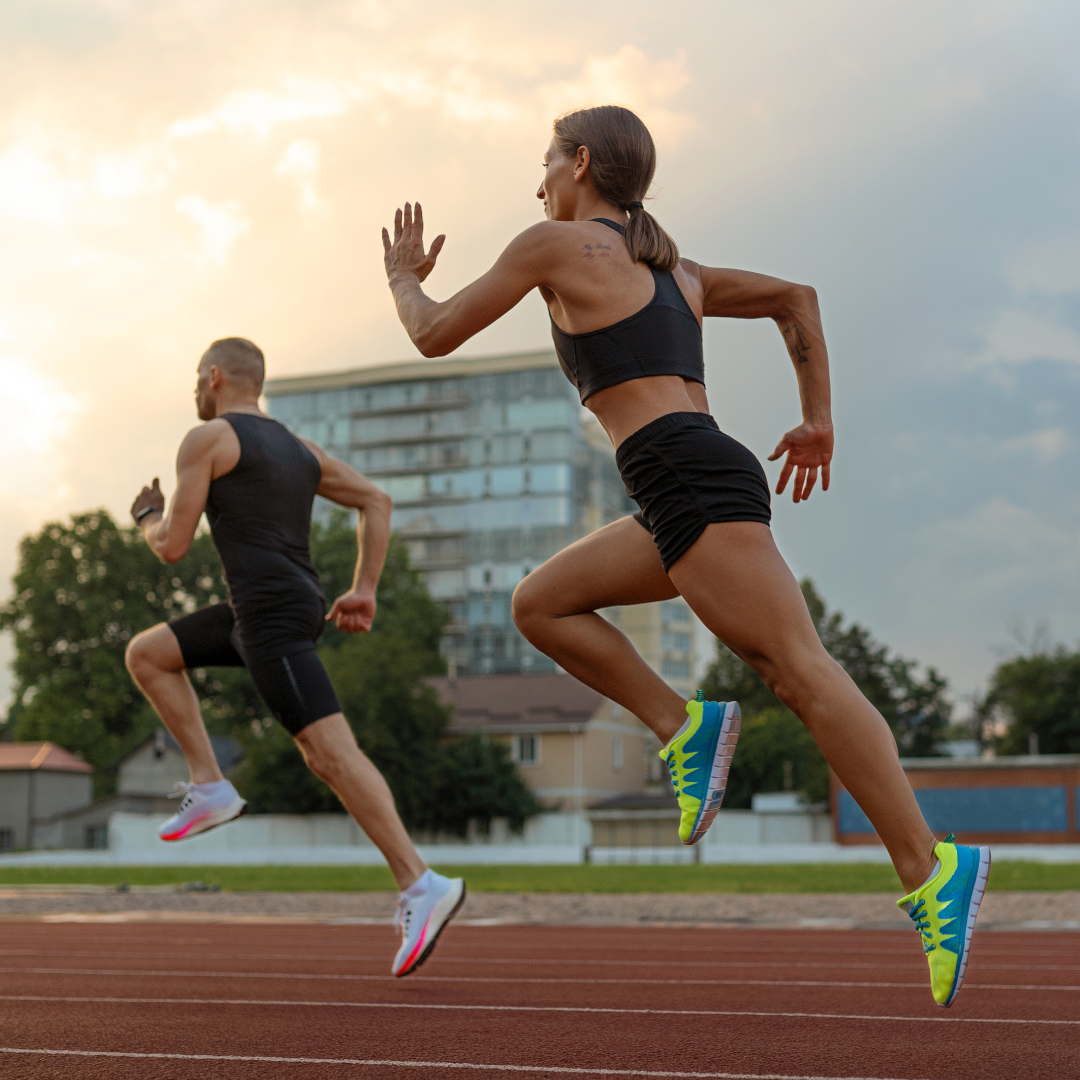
150	652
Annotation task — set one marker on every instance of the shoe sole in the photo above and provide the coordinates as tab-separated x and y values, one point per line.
435	937
721	766
211	821
978	891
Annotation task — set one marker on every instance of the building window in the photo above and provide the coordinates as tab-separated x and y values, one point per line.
675	669
675	641
674	612
97	836
525	750
7	840
616	751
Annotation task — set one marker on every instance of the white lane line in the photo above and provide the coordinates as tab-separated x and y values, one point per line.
590	1009
323	977
561	1069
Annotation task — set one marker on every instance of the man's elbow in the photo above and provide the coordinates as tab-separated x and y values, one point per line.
172	553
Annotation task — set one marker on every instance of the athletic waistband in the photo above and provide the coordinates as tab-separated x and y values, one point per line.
643	436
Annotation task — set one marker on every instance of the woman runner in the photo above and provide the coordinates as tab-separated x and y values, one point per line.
626	315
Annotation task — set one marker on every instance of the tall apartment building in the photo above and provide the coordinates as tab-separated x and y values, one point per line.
493	467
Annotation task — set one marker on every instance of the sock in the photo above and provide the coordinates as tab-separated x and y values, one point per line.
420	885
682	730
933	873
209	789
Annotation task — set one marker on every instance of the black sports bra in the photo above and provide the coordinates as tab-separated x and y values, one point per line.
663	338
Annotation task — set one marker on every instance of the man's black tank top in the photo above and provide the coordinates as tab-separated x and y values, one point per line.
663	338
260	519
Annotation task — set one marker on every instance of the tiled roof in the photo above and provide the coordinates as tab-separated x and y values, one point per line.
516	701
44	756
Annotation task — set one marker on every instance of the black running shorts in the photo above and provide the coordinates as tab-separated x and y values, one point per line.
685	473
289	676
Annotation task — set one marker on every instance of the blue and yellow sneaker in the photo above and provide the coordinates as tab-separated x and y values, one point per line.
943	911
699	759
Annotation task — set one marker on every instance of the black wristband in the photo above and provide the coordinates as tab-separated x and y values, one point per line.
144	511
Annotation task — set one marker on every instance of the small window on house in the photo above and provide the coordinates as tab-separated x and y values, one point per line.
526	749
616	751
97	836
675	669
7	840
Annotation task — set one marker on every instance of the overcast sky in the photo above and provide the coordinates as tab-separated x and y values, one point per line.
172	171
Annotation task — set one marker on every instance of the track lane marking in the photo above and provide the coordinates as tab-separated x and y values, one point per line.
561	1069
323	977
591	1009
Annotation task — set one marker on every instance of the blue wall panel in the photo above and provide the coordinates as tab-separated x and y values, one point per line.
996	809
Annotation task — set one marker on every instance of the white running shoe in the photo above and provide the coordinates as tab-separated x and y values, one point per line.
205	806
423	912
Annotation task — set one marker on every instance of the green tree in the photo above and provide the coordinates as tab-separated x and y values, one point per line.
1036	695
81	591
916	708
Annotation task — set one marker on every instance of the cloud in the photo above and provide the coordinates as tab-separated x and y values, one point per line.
220	226
1017	336
1047	444
299	162
32	189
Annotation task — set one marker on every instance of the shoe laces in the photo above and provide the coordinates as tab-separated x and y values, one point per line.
673	771
403	916
185	790
921	918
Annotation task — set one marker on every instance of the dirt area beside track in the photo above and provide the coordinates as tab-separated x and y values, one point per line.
1001	910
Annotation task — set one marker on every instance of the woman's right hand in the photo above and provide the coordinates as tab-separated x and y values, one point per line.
808	447
406	254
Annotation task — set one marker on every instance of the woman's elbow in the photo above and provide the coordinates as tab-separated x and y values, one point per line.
431	344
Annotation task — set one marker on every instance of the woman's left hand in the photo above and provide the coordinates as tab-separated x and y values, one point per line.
406	254
809	447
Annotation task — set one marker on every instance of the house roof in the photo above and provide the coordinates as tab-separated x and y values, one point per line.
41	757
498	704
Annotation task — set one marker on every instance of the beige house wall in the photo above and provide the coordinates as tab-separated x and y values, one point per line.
576	768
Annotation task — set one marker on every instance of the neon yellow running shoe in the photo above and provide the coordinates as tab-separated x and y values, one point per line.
699	759
943	911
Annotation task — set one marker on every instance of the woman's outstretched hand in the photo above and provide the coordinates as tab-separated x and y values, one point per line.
406	254
808	449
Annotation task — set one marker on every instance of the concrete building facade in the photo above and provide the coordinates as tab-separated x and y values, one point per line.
493	467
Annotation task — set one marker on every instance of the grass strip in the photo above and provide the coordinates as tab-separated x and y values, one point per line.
772	878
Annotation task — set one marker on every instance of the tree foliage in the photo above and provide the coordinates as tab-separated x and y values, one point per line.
81	592
84	589
915	707
1036	695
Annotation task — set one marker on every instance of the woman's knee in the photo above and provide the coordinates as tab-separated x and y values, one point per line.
802	679
527	607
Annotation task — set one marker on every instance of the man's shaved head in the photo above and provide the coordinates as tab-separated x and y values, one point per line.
240	360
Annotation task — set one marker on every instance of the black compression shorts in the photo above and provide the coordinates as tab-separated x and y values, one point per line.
685	473
290	677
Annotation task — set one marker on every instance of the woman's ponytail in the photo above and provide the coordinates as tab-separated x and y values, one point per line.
622	160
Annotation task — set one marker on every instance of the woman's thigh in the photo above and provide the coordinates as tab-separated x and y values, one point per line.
615	565
738	584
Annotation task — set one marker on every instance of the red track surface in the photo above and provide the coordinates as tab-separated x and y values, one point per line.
146	1000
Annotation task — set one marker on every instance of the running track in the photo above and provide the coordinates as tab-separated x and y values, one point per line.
173	1001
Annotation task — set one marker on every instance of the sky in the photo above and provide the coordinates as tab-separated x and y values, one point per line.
173	171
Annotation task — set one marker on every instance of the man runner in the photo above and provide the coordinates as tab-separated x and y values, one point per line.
257	483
